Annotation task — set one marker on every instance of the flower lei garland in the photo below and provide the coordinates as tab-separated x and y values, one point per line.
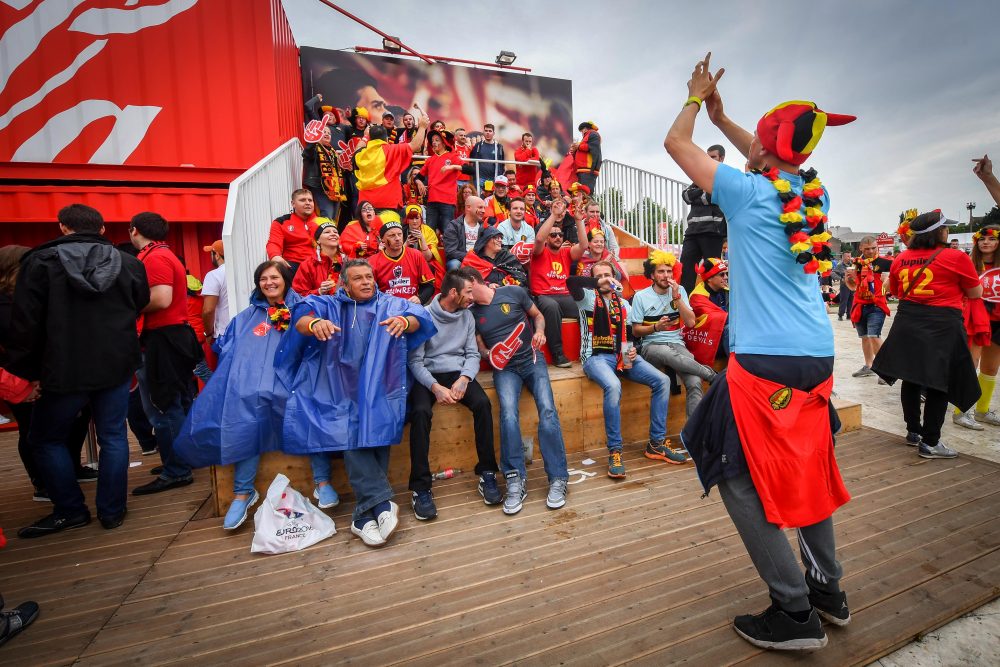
990	233
280	316
905	218
811	246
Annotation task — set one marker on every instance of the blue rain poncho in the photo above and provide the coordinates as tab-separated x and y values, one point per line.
239	412
350	391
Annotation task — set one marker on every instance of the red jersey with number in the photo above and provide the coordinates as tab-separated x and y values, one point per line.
549	271
402	276
942	283
163	268
441	186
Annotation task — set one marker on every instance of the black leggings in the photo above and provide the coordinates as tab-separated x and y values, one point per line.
935	409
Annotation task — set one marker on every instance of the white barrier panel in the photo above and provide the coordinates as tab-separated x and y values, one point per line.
639	202
258	196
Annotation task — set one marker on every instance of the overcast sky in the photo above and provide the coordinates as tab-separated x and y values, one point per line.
923	78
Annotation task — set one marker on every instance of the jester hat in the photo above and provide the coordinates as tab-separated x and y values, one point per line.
711	266
792	129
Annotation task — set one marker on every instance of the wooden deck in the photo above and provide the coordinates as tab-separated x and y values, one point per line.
642	571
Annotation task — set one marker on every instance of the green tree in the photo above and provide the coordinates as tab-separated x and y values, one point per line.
991	218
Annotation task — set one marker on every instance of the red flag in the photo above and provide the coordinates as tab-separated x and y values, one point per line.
565	173
702	340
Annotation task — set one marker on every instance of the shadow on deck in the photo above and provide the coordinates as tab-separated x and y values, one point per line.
641	570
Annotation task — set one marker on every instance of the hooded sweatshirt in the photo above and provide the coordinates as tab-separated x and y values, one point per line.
452	349
75	306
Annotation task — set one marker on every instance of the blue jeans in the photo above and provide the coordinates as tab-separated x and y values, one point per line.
601	369
245	474
439	215
870	324
453	264
325	206
50	425
508	383
166	426
366	471
321	467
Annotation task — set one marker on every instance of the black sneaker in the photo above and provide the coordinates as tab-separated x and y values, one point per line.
488	488
53	524
831	606
86	474
149	451
561	361
774	629
41	496
423	505
159	484
13	622
912	439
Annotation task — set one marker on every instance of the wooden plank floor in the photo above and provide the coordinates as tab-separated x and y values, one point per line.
637	571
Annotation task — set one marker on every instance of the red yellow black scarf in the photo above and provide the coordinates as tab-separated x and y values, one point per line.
329	174
607	328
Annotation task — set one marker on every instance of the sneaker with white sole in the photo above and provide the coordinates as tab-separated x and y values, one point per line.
863	372
912	439
488	488
513	500
775	629
368	532
557	493
938	451
238	511
989	417
423	505
387	519
326	496
966	420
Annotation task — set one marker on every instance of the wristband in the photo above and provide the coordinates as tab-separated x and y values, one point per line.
313	323
406	323
693	100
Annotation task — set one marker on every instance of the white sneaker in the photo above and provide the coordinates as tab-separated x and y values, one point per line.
368	533
989	417
4	420
966	420
388	520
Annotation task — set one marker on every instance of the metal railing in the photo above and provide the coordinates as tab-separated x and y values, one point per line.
646	205
255	198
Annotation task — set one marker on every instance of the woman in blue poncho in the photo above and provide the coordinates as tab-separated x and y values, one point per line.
239	414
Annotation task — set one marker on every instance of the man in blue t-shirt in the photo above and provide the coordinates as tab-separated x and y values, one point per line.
657	315
511	343
742	438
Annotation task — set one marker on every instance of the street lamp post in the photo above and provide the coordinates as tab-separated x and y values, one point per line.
971	206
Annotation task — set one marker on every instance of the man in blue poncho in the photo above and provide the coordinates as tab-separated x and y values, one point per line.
346	368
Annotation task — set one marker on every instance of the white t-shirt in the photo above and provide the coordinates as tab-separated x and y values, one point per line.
471	236
215	285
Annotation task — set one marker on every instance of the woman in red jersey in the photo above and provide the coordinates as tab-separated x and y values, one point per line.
320	273
927	346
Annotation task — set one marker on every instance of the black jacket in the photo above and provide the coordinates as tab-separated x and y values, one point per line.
704	217
75	306
454	239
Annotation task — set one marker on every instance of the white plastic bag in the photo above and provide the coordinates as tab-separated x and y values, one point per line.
286	521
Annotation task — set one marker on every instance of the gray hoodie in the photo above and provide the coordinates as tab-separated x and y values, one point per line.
452	349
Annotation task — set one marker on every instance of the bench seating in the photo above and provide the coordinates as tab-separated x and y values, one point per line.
578	400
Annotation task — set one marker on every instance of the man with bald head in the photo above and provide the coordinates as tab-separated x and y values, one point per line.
461	234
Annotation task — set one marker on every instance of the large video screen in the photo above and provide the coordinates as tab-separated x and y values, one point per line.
458	95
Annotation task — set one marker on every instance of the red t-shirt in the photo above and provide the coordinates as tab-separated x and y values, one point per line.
987	287
401	277
526	175
163	268
942	283
463	152
549	271
441	187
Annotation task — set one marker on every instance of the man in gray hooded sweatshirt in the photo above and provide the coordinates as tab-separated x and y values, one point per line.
445	368
73	331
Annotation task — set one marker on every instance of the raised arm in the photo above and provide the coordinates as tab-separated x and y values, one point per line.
984	170
737	135
679	144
